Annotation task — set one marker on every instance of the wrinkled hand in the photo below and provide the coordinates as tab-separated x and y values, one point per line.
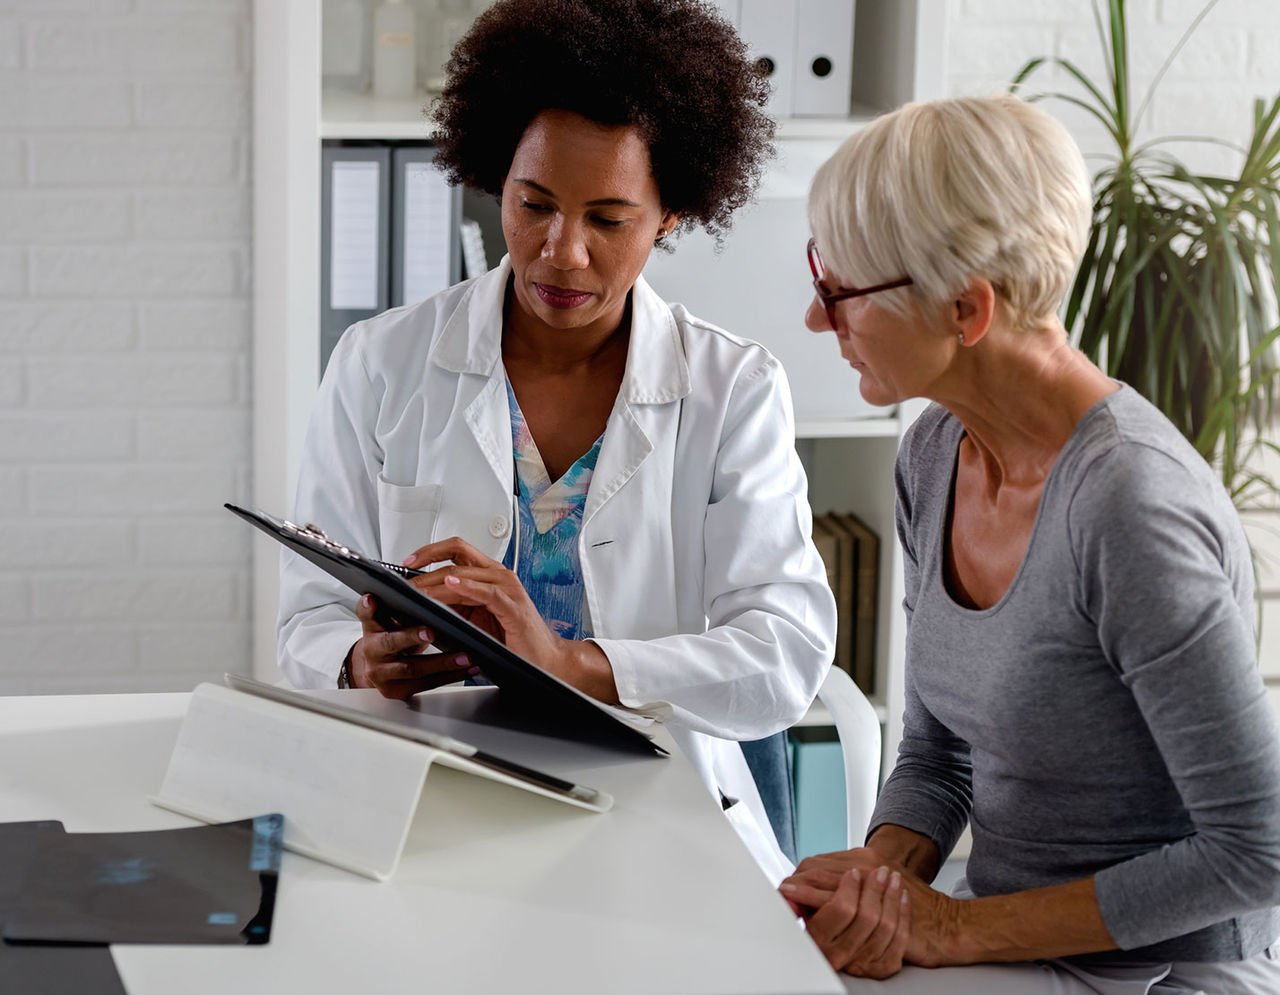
862	926
818	880
394	661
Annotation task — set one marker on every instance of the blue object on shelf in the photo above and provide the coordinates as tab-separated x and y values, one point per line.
817	766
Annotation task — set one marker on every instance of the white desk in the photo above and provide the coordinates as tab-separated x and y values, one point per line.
497	891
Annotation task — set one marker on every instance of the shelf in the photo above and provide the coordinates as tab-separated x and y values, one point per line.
825	128
882	427
362	116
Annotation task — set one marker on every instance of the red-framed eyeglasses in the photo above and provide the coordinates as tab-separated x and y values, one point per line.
829	298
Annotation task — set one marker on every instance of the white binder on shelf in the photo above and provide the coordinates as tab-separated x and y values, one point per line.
347	782
425	214
769	29
824	57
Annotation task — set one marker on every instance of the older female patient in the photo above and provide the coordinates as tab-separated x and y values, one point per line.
1081	677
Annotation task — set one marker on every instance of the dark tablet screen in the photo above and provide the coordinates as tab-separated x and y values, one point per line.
203	884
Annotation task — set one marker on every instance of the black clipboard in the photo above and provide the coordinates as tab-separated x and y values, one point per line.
523	684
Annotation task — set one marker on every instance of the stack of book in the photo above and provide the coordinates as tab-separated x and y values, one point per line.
851	552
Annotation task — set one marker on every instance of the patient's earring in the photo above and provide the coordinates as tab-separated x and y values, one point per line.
961	338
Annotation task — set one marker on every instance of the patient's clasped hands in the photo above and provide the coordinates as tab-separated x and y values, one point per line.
869	916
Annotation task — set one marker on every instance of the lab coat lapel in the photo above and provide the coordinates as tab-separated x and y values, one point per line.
625	447
627	530
489	419
471	343
657	376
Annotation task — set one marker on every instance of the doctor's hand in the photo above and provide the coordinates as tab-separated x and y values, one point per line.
489	595
394	661
861	923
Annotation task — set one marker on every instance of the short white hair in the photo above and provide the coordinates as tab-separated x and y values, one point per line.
945	191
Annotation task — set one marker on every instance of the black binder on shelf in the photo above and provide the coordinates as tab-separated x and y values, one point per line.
426	212
523	684
355	197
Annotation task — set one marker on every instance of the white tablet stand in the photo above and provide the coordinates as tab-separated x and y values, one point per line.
348	793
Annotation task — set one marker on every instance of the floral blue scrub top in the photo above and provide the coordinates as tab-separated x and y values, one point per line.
550	520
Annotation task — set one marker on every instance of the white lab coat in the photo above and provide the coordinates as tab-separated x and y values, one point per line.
702	583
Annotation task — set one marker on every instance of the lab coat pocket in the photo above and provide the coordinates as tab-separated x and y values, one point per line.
407	517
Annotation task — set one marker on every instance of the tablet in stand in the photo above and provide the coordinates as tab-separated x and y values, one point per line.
348	783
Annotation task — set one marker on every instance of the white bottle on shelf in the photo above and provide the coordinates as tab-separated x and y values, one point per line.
394	51
344	45
451	21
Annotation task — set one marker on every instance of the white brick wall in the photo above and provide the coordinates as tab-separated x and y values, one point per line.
1232	59
124	342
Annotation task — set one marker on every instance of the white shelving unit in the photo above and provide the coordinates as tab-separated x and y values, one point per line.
898	56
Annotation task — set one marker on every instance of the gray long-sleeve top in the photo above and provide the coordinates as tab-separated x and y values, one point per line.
1106	716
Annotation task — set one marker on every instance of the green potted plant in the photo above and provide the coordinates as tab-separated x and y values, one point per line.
1177	291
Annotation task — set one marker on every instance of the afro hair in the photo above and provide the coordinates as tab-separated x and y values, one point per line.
673	69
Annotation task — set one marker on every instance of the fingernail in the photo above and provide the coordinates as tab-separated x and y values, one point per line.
452	581
462	660
366	600
904	897
424	635
853	873
786	886
473	672
895	880
406	561
882	875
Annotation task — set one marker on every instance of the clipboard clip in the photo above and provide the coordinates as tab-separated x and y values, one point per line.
317	535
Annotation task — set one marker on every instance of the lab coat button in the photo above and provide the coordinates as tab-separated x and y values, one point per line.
498	527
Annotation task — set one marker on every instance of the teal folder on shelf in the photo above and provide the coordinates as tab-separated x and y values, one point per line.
817	773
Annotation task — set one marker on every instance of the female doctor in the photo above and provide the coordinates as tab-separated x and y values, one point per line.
600	479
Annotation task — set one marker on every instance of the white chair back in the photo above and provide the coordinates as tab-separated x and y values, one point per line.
858	726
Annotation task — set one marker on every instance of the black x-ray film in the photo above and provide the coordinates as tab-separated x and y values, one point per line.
204	884
26	970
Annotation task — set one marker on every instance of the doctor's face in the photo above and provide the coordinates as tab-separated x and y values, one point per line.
580	212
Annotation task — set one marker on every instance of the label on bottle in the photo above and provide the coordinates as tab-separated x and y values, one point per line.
395	39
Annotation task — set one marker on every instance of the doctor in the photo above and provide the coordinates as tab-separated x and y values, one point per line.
598	478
